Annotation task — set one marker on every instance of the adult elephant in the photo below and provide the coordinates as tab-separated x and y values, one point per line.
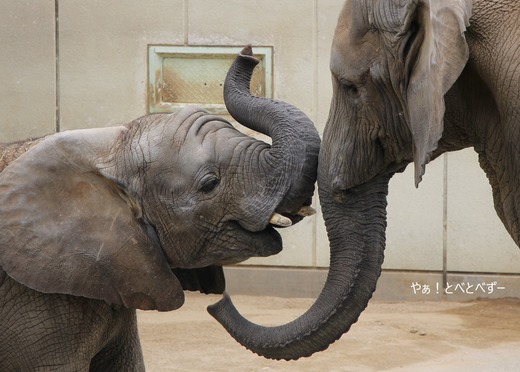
97	223
410	82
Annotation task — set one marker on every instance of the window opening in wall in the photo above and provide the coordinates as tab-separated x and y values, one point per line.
186	75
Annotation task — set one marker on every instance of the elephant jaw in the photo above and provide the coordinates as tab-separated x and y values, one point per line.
268	242
263	243
258	242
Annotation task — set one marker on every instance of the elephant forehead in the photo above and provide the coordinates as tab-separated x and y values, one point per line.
213	142
356	46
350	58
206	131
169	136
212	149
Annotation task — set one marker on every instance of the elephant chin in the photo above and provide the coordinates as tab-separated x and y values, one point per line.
237	244
262	243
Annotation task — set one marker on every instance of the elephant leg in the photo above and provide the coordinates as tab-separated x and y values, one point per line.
503	178
123	352
56	332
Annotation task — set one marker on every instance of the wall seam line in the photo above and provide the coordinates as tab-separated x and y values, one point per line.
445	223
314	246
185	25
57	98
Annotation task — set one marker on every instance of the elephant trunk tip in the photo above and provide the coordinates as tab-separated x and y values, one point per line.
258	338
247	53
247	50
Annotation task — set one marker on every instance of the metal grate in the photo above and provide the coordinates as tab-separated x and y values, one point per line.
179	76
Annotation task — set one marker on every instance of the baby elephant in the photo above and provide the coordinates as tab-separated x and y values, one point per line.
96	223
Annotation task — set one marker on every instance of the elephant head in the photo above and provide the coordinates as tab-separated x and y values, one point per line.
133	214
392	61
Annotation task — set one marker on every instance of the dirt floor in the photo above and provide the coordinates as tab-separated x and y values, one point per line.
481	335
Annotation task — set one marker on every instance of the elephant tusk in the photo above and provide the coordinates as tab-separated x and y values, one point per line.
279	220
306	211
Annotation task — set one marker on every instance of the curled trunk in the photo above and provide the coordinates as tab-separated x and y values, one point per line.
356	224
290	165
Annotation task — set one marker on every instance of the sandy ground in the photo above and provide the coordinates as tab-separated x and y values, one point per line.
413	336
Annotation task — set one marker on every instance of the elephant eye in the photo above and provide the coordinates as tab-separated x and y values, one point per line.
209	183
351	89
348	86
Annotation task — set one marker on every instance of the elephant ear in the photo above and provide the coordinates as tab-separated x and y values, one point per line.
437	64
65	228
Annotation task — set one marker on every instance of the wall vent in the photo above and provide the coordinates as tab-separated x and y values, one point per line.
194	75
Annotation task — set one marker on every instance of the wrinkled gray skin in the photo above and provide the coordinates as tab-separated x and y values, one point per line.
97	223
412	79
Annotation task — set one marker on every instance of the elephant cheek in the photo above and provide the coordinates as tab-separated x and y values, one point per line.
360	159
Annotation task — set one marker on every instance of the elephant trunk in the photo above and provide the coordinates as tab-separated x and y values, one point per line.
290	164
356	223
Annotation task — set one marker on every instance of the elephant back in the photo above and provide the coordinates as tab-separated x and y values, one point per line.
11	151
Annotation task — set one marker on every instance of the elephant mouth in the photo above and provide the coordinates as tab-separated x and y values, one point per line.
266	242
246	244
289	219
235	243
261	243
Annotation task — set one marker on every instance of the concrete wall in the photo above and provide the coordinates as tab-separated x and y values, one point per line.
70	65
